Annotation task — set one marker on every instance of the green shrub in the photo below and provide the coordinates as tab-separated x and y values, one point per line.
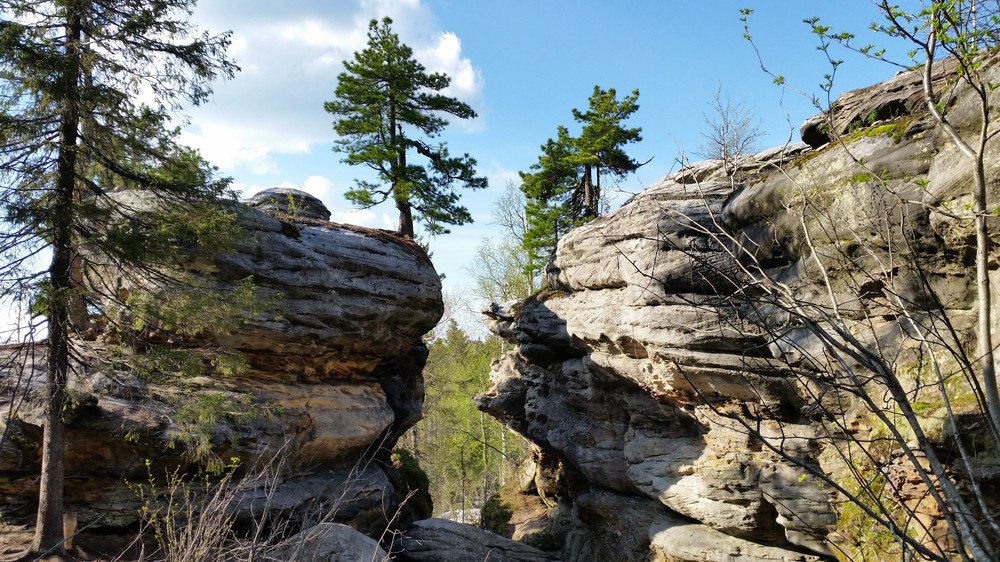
546	541
495	515
415	483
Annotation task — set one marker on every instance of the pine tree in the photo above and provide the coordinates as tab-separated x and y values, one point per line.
563	189
71	132
387	107
600	145
548	190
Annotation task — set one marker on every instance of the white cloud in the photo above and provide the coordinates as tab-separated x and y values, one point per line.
291	54
229	145
247	191
311	33
499	176
467	81
446	56
318	186
389	222
387	5
238	46
363	217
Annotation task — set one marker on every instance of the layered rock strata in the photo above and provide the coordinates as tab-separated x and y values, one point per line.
331	375
441	540
659	377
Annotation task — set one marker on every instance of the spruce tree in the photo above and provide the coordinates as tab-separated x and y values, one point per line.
388	108
563	189
72	131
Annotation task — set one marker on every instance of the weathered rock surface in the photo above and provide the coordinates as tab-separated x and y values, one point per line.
440	540
900	96
294	203
604	525
332	377
673	540
650	368
329	542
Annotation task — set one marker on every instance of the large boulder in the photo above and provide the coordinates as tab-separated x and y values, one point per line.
901	96
291	202
441	540
656	366
330	377
329	542
675	540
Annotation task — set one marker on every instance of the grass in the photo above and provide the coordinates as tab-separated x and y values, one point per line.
866	538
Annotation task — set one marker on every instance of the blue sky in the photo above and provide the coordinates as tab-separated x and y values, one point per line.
523	65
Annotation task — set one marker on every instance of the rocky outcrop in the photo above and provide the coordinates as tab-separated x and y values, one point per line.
673	540
900	96
658	371
329	542
441	540
329	377
291	202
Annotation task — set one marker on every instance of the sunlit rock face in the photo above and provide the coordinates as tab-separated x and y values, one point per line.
650	376
289	201
330	377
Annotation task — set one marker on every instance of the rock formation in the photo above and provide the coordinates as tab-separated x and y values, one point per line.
290	202
681	401
674	405
441	540
332	376
329	542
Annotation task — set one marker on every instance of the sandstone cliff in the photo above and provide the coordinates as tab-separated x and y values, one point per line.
332	377
678	402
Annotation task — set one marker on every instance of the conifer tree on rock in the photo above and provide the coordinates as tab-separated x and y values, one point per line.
600	146
563	189
548	189
71	132
387	108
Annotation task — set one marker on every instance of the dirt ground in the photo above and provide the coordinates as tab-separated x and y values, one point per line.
87	547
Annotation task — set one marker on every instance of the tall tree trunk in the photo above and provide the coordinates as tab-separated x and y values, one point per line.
588	193
405	217
461	462
49	524
984	328
399	192
486	489
983	293
415	443
79	318
984	247
503	457
966	529
597	192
